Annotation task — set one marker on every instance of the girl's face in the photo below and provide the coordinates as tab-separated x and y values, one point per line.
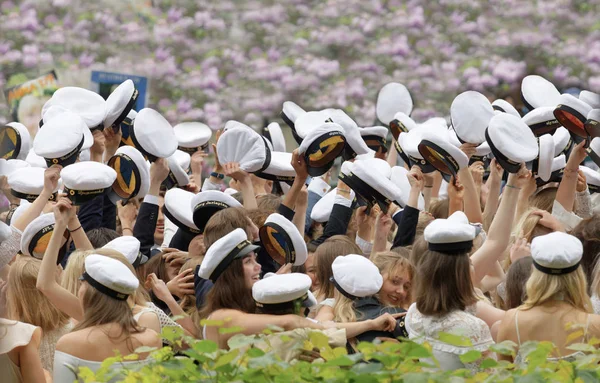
311	270
251	269
396	288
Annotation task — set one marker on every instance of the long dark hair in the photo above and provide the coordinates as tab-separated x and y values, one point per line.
516	279
229	292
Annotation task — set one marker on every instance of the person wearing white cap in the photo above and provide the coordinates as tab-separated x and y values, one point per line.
119	103
205	204
61	139
557	303
108	323
129	247
230	263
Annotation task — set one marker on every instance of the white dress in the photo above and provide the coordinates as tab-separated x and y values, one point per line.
66	366
422	328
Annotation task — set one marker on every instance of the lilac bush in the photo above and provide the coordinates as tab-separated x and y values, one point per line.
217	60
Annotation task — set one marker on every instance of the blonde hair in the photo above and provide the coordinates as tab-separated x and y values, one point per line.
544	198
393	263
26	303
74	270
570	288
343	309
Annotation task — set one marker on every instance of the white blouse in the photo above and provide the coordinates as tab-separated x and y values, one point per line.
422	328
66	367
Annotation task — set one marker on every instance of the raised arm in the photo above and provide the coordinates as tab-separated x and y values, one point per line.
498	237
232	169
473	208
292	198
565	194
51	176
46	280
493	184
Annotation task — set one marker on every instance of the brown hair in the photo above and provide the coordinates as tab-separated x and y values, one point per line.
516	279
588	232
447	285
543	199
25	302
101	236
224	222
325	254
393	262
188	302
419	247
424	220
440	208
229	292
268	202
258	216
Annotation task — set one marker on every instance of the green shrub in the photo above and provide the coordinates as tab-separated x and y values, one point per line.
375	362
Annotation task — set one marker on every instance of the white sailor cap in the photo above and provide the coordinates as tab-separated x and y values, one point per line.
130	247
400	178
230	191
409	142
309	121
90	106
355	144
126	125
192	136
152	135
274	135
246	147
590	98
281	293
471	113
393	98
482	152
9	166
61	139
322	209
536	92
563	143
15	141
36	237
452	236
280	168
36	161
179	163
133	174
556	253
290	113
110	277
438	151
541	120
375	137
282	240
593	150
205	204
504	106
119	103
592	124
511	141
572	113
5	232
84	181
14	213
592	178
28	184
177	209
557	170
401	123
542	166
321	147
220	255
56	110
354	276
370	179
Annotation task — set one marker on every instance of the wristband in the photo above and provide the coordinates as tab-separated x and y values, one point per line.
126	228
512	187
71	231
217	175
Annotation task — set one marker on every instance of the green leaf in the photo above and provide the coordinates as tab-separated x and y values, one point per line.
229	330
319	340
581	347
488	363
341	361
417	351
504	348
205	346
255	352
454	340
226	358
145	349
470	356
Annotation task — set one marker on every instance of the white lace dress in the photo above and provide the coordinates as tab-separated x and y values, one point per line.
422	328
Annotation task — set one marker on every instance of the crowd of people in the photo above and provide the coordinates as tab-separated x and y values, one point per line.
486	229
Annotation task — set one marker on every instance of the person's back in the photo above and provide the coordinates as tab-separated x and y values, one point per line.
19	359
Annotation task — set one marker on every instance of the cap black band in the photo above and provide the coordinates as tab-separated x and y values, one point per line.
171	181
103	289
446	159
371	195
273	177
10	214
288	121
43	231
397	127
593	188
178	223
281	307
67	159
375	142
195	149
509	165
498	108
315	146
116	125
455	248
269	246
31	197
134	170
425	166
267	162
560	113
233	254
16	147
401	153
79	197
267	134
544	127
138	260
553	271
342	291
203	211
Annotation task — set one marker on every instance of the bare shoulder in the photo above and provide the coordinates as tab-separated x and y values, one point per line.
73	342
226	315
149	338
594	323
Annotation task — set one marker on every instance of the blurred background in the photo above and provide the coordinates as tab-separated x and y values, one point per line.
212	61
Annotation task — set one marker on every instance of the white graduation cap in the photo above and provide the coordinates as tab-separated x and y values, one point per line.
354	276
280	293
110	277
282	240
244	146
592	124
152	135
61	139
401	123
56	110
90	106
274	135
471	113
556	253
393	98
36	237
451	236
375	137
511	141
15	141
438	151
280	168
541	120
177	210
542	166
192	136
563	143
321	147
536	92
590	98
504	106
290	113
133	174
119	103
84	181
130	247
205	204
179	163
37	161
572	113
28	184
355	145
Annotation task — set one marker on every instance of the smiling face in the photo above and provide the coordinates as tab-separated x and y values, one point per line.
159	231
396	289
251	269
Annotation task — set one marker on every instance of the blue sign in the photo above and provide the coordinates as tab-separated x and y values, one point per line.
104	83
